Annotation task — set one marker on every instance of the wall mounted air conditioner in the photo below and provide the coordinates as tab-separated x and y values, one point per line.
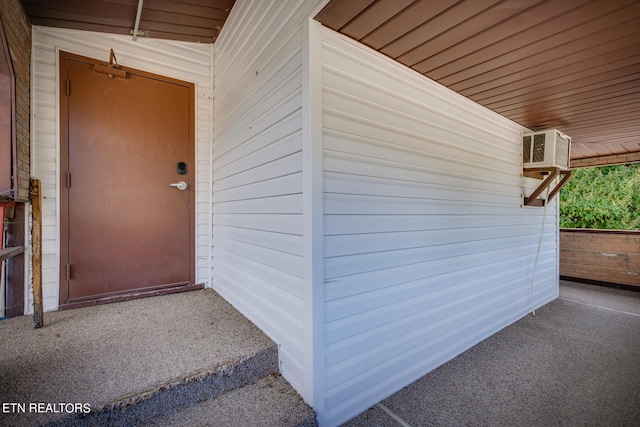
546	148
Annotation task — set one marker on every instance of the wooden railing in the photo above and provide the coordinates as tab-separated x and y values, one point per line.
611	256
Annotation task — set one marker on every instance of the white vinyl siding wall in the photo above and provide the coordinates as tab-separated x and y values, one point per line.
191	62
427	247
257	172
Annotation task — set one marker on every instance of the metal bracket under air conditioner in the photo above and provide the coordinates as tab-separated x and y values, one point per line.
549	175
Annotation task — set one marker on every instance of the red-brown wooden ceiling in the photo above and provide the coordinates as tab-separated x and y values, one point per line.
569	64
187	20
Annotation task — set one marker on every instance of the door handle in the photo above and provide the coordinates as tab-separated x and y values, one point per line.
180	185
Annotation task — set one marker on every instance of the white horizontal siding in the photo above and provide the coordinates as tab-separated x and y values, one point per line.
190	62
258	244
427	248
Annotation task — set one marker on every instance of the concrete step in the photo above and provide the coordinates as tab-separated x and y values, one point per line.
268	402
163	399
129	362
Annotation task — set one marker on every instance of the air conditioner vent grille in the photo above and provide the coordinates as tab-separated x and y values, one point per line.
526	149
538	147
562	153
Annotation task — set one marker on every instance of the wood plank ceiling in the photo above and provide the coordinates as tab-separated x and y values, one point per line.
187	20
569	64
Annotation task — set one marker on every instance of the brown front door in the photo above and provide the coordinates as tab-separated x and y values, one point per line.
124	229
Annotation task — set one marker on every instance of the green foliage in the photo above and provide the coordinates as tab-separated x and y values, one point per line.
606	197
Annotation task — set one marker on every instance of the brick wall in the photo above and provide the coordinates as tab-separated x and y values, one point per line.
18	32
602	255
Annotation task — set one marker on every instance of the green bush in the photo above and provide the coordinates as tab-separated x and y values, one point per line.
606	197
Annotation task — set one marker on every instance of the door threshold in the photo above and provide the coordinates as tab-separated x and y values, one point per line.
130	296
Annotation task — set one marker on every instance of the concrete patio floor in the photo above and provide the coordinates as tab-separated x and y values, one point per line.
576	363
192	359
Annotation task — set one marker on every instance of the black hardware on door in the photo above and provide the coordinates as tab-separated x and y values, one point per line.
182	168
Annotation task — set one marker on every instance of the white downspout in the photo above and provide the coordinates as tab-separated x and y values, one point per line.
137	24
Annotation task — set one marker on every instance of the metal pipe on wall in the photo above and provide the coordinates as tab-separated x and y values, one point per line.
137	24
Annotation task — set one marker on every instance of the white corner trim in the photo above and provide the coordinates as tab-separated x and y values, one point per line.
313	218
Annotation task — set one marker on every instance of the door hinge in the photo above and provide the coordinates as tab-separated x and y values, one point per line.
68	179
68	272
68	88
